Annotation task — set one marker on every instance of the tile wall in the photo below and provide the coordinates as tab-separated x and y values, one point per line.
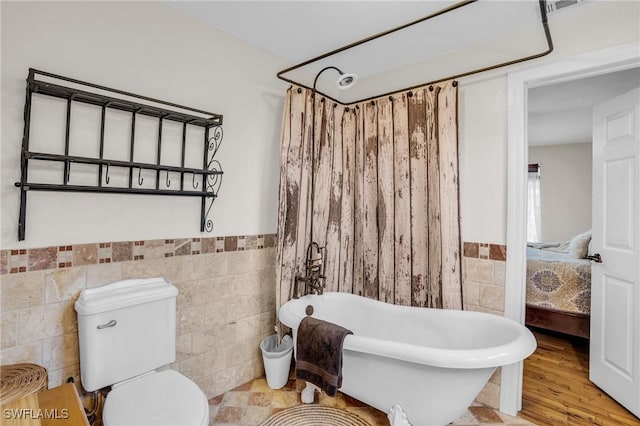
225	304
483	282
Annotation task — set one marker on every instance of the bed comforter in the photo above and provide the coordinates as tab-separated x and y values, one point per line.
558	280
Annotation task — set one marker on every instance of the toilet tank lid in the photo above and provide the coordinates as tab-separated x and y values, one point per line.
125	293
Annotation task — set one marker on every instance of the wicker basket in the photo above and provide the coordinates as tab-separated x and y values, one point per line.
18	380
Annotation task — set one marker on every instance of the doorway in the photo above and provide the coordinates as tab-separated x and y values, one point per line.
556	385
592	64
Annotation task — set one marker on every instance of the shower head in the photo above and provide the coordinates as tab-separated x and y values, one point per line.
346	80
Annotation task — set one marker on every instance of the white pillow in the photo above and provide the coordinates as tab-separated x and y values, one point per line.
579	245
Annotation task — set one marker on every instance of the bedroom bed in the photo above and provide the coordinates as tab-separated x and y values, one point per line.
558	291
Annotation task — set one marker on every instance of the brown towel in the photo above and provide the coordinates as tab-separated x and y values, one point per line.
319	353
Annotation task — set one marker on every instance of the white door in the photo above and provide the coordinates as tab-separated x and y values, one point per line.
614	359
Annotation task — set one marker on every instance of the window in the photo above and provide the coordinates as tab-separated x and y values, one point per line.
534	231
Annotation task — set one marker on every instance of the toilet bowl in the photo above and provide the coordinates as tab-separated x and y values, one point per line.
159	398
126	332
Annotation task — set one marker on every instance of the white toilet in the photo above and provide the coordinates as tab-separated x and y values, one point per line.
127	332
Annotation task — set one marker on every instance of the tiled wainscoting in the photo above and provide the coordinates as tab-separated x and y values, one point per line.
225	306
483	282
226	301
483	277
37	259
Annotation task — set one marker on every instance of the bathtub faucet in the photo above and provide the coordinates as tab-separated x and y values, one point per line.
314	277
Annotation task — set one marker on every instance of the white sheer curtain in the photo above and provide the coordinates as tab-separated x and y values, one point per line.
534	231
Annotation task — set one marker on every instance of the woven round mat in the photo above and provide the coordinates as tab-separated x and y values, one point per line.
314	415
18	380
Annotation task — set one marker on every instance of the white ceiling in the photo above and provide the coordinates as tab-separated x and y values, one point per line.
296	31
561	113
300	30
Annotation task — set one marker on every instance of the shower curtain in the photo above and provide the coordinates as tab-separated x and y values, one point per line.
385	195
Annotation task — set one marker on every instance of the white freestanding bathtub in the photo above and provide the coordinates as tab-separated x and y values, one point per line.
431	362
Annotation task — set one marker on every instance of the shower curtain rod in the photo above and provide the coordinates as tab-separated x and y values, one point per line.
545	25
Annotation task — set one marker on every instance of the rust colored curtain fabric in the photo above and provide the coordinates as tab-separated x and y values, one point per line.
385	196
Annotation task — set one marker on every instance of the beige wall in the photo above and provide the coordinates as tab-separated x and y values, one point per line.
483	160
149	49
565	189
483	282
483	112
483	137
227	299
45	35
225	307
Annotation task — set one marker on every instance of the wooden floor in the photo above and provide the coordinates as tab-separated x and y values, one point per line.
557	390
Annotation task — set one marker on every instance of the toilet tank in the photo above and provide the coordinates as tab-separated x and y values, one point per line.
125	329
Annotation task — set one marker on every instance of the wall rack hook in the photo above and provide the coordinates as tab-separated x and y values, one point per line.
127	103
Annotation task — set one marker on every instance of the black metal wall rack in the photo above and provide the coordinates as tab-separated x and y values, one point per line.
205	182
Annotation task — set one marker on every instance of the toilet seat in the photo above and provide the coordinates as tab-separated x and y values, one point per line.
164	398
